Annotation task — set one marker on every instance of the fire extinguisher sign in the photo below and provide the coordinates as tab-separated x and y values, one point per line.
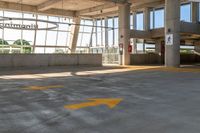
121	48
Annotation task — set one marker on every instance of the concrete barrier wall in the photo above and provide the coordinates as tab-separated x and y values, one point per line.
151	58
145	59
190	58
37	60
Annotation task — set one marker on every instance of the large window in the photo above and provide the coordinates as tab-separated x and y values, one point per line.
110	30
140	21
157	18
85	31
38	41
92	33
186	12
105	29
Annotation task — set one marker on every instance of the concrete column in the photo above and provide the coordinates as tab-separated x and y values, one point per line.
146	23
134	28
134	20
74	34
172	27
124	31
147	19
106	32
194	12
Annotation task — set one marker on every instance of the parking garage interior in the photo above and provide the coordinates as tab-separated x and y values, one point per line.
99	66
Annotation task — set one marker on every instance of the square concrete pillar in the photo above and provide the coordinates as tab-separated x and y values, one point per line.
172	33
74	34
147	19
124	32
194	12
134	28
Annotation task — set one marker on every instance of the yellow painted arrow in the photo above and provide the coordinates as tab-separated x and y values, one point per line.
35	88
110	102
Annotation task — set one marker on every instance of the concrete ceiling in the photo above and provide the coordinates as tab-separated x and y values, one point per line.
27	2
76	5
89	8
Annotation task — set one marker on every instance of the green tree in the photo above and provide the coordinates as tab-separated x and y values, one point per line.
3	42
26	44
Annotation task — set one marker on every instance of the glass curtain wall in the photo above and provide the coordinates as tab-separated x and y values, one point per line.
102	29
40	41
97	34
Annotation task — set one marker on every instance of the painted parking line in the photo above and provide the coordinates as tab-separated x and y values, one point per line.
39	88
109	102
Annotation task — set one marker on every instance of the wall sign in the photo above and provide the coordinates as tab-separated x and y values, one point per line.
169	39
27	24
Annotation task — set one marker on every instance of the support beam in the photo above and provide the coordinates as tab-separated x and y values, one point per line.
147	19
74	34
107	14
106	32
140	34
134	28
33	9
134	8
48	4
195	12
95	9
124	32
148	4
112	1
172	27
146	24
59	12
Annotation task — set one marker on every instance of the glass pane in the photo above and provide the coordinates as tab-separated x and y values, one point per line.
159	18
51	38
62	39
140	21
186	12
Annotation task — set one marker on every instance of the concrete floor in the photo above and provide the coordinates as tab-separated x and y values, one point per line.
155	100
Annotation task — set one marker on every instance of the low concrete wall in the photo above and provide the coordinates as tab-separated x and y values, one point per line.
190	58
37	60
148	59
145	59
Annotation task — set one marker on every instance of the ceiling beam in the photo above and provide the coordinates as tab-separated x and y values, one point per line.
134	7
96	8
48	4
33	9
59	12
111	1
107	14
145	5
